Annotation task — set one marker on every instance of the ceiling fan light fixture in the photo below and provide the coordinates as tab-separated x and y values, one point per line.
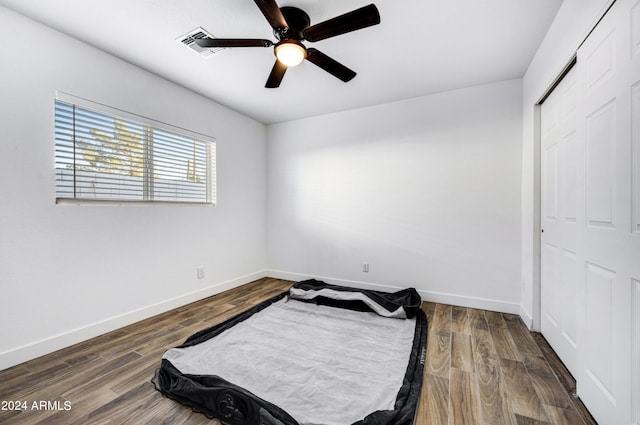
290	52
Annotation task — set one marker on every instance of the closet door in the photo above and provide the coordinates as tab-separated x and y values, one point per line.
560	159
608	231
590	249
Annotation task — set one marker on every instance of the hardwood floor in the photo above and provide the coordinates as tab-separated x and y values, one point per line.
486	368
482	367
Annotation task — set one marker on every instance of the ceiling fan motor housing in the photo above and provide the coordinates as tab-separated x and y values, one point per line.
297	19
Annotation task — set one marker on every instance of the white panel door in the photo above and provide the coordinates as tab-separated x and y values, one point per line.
608	238
590	248
559	208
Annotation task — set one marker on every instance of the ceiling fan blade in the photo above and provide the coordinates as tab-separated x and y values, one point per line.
330	65
233	42
271	11
357	19
276	75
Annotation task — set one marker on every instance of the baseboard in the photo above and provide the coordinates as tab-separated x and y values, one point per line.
471	302
438	297
526	317
45	346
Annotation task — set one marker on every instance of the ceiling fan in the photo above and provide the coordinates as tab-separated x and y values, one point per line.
291	26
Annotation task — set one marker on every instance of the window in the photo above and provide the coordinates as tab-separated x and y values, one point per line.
109	155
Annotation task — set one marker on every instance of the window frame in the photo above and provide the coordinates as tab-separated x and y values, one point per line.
149	125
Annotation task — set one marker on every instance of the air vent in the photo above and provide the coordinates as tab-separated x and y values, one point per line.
190	38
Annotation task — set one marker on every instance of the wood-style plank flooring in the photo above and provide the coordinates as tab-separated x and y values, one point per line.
486	368
482	368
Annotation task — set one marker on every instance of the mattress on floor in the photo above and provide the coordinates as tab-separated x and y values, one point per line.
318	354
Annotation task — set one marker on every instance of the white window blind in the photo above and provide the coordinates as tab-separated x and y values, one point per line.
109	156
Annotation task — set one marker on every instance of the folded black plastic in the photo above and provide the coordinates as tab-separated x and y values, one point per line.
401	304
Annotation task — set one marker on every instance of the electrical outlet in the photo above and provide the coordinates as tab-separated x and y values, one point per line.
200	271
365	267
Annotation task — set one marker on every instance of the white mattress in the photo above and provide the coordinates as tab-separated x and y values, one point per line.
322	365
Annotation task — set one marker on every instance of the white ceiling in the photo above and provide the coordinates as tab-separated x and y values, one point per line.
420	47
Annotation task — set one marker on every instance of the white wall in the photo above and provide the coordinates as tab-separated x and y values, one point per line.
429	191
70	272
570	27
426	190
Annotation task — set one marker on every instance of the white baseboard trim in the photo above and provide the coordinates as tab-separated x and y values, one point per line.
30	351
471	302
296	277
527	318
438	297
